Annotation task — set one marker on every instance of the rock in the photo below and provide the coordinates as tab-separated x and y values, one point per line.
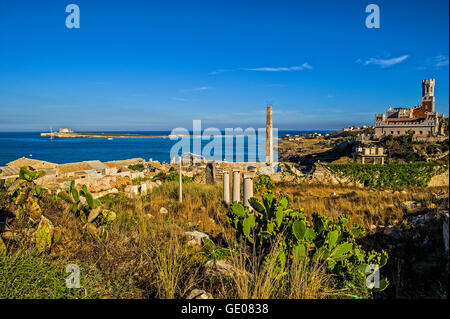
163	210
412	207
221	267
158	182
44	235
196	237
106	192
199	294
403	192
421	219
266	170
149	216
132	189
373	227
144	189
93	214
92	230
333	195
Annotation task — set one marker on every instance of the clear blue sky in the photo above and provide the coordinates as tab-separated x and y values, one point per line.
144	65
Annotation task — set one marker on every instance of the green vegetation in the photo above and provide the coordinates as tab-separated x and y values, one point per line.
127	248
390	175
137	167
25	194
406	149
74	196
332	242
32	277
263	183
171	177
139	180
175	176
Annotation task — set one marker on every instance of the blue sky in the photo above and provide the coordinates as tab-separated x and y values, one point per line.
144	65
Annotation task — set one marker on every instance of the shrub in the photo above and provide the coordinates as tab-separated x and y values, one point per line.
390	175
263	183
137	167
330	241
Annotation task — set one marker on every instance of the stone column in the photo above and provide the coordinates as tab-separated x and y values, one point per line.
214	172
269	136
226	188
248	190
236	186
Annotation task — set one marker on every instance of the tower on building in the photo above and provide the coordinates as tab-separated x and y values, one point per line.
428	99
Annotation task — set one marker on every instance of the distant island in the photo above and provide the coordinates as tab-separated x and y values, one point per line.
68	133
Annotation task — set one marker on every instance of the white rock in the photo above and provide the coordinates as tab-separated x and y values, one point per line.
132	189
221	267
144	189
199	294
196	237
163	210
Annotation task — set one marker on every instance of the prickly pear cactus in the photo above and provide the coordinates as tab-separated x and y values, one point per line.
327	241
44	235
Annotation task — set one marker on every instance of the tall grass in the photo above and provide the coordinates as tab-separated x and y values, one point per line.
146	255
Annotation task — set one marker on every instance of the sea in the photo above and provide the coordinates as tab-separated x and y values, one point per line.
14	145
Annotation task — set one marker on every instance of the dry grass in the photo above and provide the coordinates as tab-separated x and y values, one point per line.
146	257
364	206
176	273
257	280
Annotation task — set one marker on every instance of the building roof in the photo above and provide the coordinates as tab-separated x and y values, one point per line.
36	164
7	171
80	166
122	163
403	119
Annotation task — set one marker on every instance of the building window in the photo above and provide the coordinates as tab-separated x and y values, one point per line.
421	132
392	132
398	132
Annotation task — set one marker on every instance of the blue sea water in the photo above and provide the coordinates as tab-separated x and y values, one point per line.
14	145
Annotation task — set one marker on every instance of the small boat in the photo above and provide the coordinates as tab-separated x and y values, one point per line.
110	138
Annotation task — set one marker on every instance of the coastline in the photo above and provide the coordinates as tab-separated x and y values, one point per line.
125	135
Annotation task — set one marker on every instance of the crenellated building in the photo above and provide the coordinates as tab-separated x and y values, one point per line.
422	120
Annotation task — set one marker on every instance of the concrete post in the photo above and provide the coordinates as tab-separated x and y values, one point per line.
269	136
180	176
214	172
236	186
248	190
226	188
